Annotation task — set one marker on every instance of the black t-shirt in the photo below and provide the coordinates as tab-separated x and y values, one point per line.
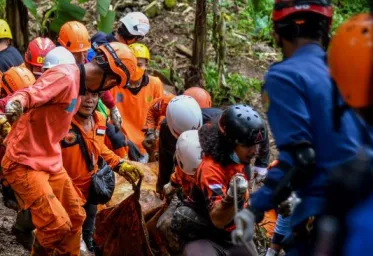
10	57
167	146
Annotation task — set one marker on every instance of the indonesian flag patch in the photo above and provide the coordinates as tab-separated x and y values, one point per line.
101	130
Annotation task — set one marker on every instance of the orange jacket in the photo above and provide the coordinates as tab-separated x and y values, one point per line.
134	108
49	107
183	180
73	159
156	111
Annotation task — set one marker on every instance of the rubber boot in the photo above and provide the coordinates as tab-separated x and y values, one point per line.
38	250
88	240
23	229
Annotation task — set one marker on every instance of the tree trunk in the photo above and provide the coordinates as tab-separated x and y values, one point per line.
17	17
199	44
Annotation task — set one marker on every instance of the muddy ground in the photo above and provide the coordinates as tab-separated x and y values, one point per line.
167	30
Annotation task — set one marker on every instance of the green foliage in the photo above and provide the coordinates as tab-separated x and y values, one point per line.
2	9
63	11
240	87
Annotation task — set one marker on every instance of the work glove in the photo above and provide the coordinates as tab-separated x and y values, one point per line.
116	118
245	224
150	140
14	107
5	128
242	186
287	207
169	191
130	172
260	173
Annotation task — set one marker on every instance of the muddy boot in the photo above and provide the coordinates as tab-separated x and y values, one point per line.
23	229
38	250
25	238
88	240
9	198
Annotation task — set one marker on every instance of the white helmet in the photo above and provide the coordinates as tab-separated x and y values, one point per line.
188	152
57	56
183	114
136	23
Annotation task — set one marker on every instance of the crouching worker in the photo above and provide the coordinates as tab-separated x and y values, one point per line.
83	150
228	145
188	156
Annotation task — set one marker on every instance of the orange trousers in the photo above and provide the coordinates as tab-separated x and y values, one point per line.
55	205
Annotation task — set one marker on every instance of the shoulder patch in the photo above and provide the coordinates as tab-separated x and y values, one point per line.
71	106
70	138
265	101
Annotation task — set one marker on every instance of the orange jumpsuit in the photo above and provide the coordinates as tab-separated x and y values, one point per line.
73	159
183	180
32	164
211	186
134	107
156	111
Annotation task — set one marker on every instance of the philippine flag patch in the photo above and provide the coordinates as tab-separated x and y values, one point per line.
101	130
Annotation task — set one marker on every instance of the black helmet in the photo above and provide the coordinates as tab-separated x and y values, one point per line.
242	125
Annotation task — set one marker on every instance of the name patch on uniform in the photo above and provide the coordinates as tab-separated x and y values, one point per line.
149	99
101	130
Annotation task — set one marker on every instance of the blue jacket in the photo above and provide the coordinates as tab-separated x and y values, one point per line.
100	38
299	101
359	240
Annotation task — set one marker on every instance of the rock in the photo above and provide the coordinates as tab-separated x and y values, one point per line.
262	47
152	9
169	4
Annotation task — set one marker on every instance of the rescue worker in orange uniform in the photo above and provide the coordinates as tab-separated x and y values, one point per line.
92	127
74	37
188	156
42	115
229	145
158	110
35	54
14	79
134	100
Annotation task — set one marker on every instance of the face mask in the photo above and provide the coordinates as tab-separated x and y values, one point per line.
234	158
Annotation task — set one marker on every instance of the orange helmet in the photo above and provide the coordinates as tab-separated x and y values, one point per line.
200	95
74	36
16	78
350	60
37	49
116	58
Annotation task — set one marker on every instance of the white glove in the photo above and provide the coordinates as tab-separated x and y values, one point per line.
245	224
260	173
242	185
116	118
14	106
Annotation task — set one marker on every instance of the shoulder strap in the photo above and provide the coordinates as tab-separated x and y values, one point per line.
83	148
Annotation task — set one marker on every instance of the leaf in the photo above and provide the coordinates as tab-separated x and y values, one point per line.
106	23
82	1
66	12
65	8
103	7
31	6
